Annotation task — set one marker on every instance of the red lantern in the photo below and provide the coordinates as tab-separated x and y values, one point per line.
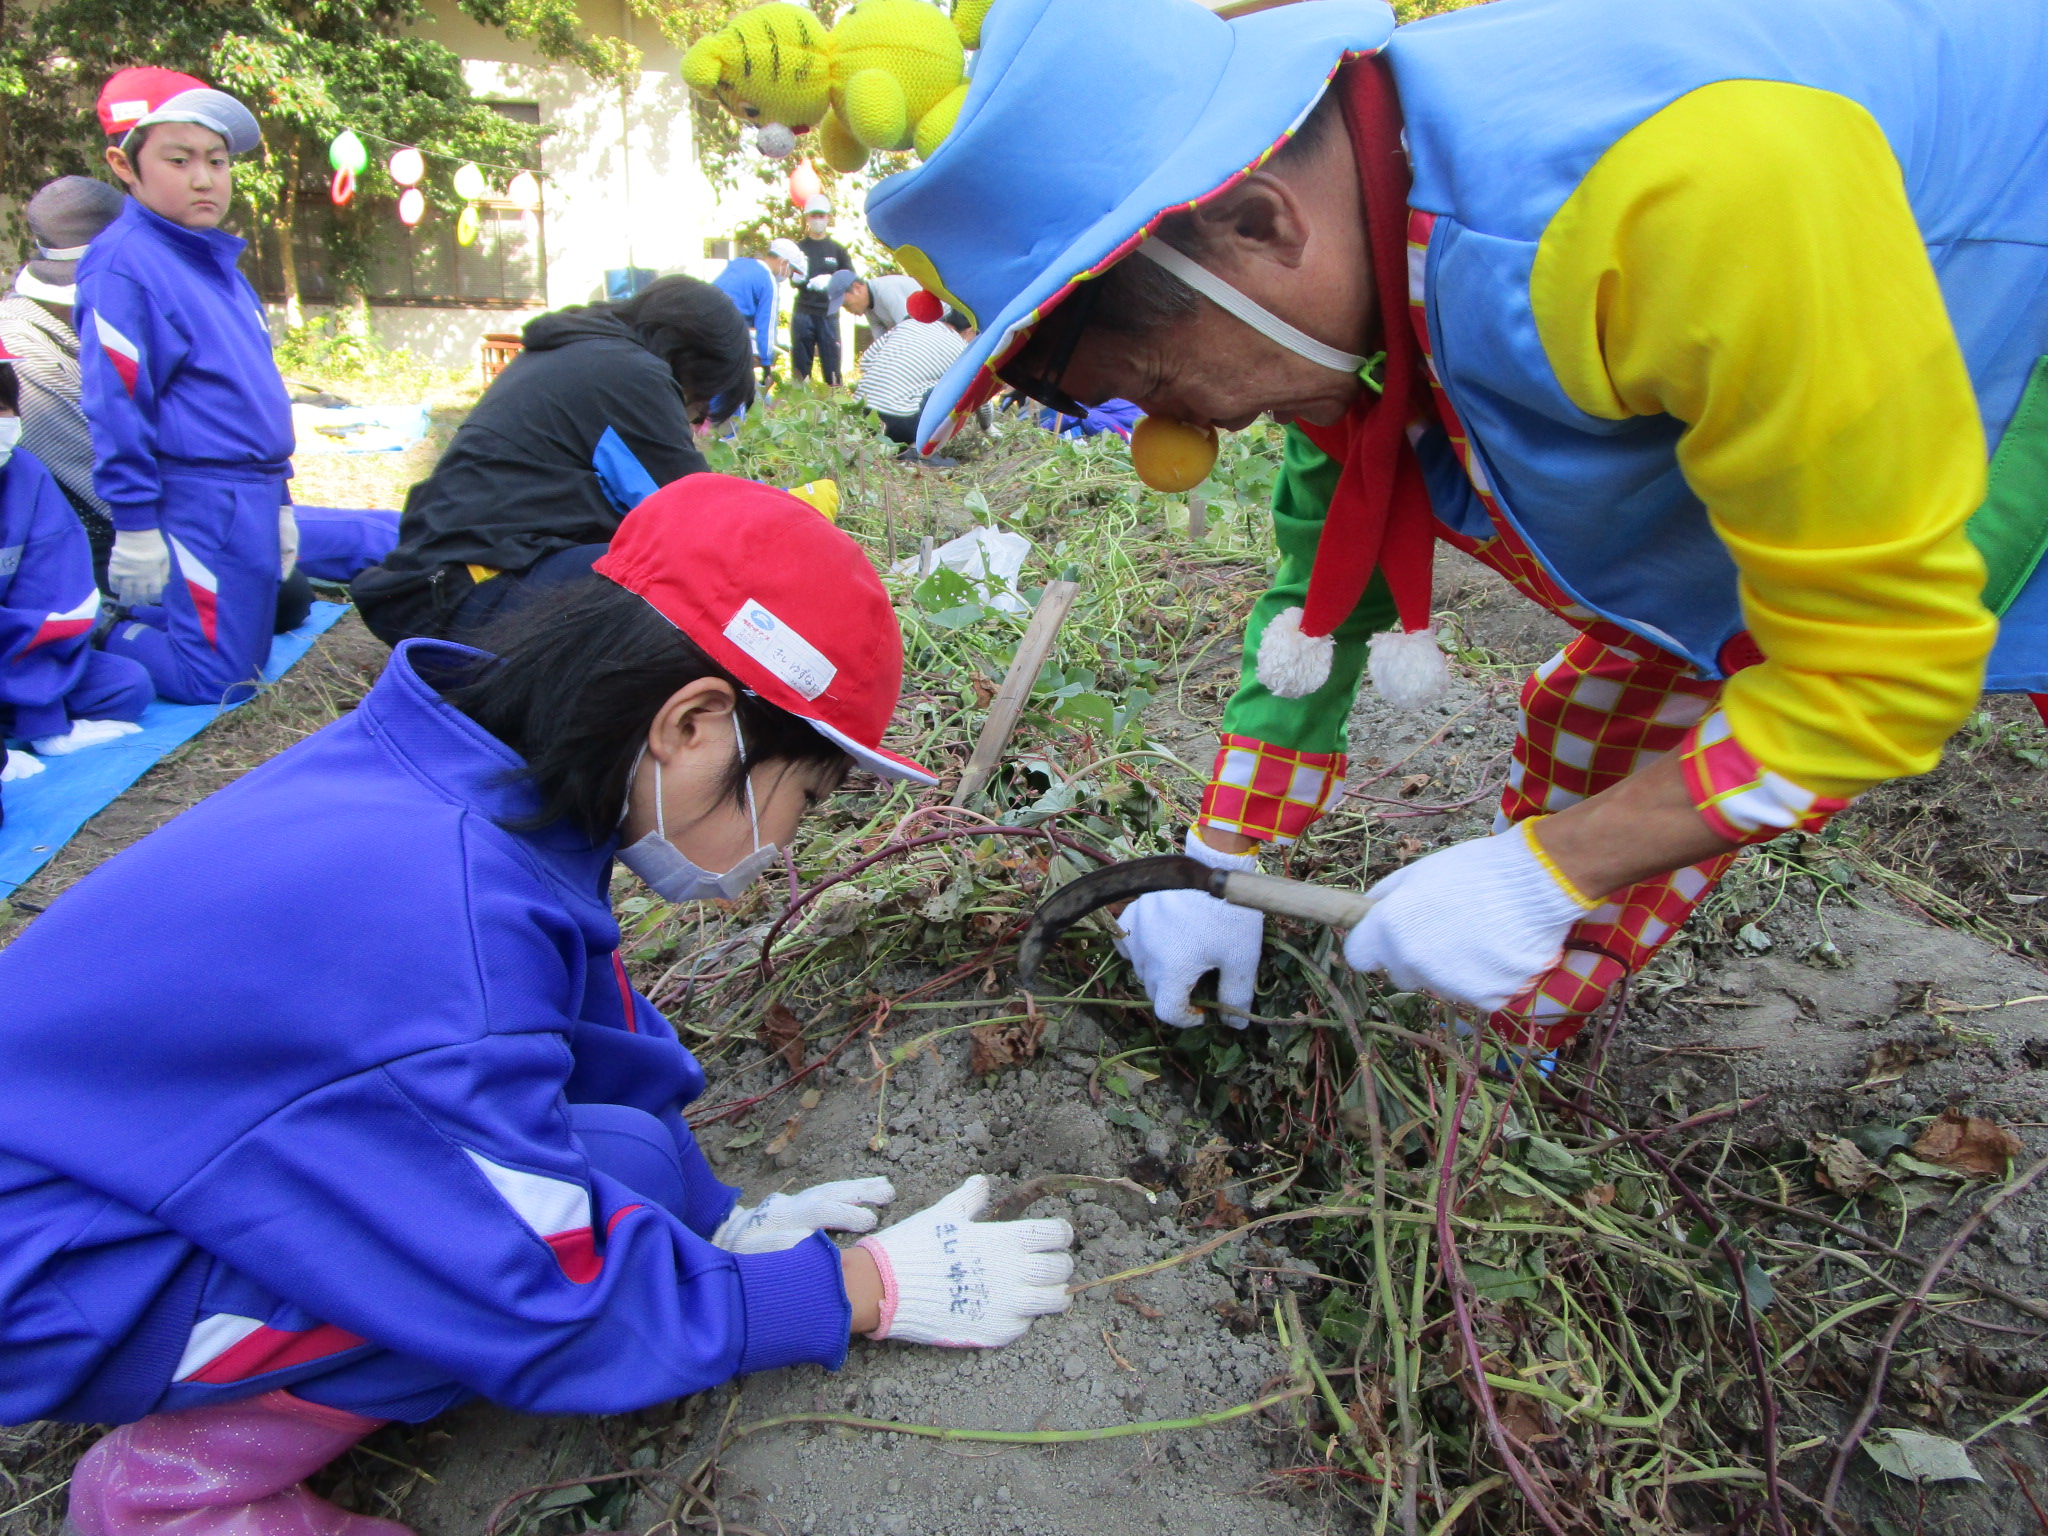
342	187
804	184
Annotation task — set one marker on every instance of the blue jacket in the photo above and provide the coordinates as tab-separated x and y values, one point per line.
751	287
47	598
322	1028
174	355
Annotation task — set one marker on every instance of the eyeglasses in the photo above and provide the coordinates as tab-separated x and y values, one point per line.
1043	385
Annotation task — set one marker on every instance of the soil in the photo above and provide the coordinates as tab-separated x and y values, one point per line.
1788	985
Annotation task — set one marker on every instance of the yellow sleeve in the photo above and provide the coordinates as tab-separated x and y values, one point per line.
1746	262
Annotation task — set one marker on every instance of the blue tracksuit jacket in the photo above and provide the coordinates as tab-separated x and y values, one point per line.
174	357
329	1030
47	599
751	287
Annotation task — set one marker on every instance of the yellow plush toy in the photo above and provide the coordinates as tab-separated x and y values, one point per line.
889	75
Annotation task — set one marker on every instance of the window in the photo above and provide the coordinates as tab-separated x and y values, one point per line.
718	250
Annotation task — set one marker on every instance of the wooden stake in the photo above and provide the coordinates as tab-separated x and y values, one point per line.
1008	704
1198	515
924	557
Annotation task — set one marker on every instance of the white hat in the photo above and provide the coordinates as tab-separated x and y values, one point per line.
817	202
790	252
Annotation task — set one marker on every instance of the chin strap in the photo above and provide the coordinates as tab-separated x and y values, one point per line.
1252	313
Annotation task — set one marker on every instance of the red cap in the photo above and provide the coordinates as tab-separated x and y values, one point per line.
131	94
778	597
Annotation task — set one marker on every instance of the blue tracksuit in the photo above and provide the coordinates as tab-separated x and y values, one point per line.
49	672
365	1108
192	435
751	287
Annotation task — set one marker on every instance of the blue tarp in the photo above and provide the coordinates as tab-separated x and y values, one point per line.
45	812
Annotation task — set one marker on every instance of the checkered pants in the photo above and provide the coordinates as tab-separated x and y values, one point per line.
1591	715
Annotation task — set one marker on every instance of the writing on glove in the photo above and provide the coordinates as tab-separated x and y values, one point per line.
951	1279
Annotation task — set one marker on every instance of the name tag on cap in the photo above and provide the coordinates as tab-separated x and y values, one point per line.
126	111
781	650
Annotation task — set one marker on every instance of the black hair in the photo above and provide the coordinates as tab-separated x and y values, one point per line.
10	388
1137	296
955	319
572	682
698	332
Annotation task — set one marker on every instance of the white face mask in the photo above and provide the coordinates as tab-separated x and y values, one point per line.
674	877
10	434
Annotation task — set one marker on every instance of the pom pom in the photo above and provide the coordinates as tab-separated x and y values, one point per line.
926	306
775	141
1408	669
1293	665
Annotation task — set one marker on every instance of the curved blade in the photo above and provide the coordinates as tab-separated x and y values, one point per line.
1114	882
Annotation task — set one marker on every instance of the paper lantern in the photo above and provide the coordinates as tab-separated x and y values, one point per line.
467	224
342	187
469	181
412	206
804	183
407	166
524	192
346	153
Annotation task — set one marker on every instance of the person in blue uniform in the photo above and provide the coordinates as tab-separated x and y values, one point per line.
56	692
191	424
368	1119
752	285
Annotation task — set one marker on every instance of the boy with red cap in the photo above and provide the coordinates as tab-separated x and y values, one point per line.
432	1146
56	692
192	427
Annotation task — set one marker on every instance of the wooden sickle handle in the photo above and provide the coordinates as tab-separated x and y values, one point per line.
1296	898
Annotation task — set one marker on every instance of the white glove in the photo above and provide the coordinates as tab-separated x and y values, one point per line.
1474	923
1173	938
20	766
820	283
783	1221
949	1279
287	542
83	734
140	566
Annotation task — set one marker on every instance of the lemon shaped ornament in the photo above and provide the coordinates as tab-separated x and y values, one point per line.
1171	455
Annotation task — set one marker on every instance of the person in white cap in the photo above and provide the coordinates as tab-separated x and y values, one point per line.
751	284
63	218
813	327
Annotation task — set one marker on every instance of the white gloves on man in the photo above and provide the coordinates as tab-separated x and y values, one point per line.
140	566
1173	938
950	1279
83	734
820	283
1474	923
287	541
783	1221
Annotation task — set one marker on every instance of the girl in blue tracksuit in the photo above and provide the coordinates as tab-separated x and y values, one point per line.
367	1118
56	692
191	424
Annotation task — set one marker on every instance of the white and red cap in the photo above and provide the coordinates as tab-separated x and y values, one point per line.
136	98
777	596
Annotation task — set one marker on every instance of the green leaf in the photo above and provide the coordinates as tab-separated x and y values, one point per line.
1875	1141
745	1139
1921	1458
1555	1166
564	1498
1522	1283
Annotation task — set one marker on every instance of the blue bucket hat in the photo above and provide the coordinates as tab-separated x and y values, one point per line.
1087	122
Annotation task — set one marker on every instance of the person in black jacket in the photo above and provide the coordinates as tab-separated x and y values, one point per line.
598	412
814	319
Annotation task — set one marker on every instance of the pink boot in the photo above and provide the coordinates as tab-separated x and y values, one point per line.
234	1470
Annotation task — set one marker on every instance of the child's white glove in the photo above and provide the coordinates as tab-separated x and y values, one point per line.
1174	938
287	541
20	765
783	1221
83	734
140	566
1474	923
950	1279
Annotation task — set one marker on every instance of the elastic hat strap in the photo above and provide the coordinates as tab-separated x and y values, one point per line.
64	253
1255	315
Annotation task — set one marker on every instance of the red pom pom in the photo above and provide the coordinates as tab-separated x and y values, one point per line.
924	305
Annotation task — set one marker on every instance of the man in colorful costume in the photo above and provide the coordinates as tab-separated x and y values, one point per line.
1698	325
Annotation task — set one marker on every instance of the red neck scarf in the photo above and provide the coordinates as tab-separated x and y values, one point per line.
1380	514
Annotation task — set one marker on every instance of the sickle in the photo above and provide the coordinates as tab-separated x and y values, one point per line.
1177	872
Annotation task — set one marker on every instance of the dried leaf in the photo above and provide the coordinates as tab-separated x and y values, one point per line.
1004	1045
1524	1418
1921	1458
1970	1144
1599	1195
783	1137
1125	1295
1839	1165
1888	1063
1224	1214
1413	784
781	1033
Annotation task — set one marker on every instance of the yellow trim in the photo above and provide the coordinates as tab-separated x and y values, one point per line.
1564	881
1747	261
482	573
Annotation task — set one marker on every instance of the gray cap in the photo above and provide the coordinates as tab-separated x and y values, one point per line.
209	109
63	218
